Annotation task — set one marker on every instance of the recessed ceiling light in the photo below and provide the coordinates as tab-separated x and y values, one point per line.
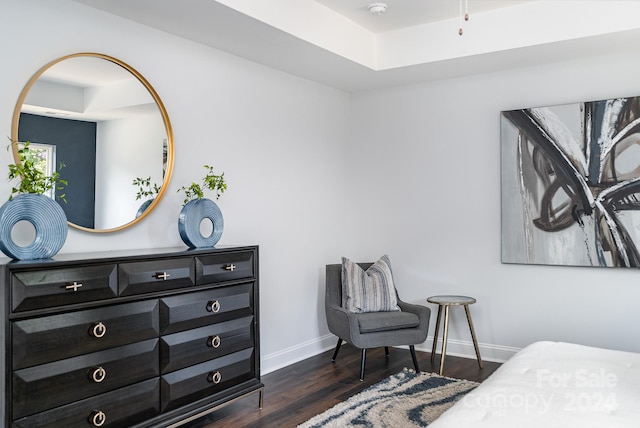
377	8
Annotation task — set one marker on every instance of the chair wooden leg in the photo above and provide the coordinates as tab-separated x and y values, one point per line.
363	358
335	353
386	351
414	357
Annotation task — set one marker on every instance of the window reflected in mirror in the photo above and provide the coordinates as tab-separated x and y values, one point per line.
43	157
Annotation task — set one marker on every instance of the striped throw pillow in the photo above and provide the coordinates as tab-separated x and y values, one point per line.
368	291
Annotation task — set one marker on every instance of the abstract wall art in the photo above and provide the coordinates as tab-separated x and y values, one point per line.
571	184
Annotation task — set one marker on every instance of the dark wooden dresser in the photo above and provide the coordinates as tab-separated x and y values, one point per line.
148	338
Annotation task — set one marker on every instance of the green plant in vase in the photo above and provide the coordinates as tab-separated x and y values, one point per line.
196	209
210	181
31	171
146	189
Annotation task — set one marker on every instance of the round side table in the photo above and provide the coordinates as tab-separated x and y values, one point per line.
446	302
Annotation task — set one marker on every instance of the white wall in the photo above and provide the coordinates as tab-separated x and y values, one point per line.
315	173
126	149
430	155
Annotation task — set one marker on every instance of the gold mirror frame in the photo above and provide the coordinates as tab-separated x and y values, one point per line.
165	117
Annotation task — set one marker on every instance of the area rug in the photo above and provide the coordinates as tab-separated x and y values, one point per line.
403	400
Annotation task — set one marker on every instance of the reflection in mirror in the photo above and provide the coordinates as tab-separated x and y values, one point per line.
107	126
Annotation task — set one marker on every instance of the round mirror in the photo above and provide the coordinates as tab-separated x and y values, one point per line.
98	123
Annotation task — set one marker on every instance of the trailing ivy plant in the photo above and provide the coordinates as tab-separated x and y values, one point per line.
210	181
146	189
30	171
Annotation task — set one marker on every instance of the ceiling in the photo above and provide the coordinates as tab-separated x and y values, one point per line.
340	44
409	13
88	84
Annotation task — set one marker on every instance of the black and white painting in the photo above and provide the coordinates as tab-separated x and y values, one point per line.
571	184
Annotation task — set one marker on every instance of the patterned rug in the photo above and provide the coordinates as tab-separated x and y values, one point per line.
403	400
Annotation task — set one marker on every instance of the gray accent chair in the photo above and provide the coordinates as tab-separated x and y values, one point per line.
373	329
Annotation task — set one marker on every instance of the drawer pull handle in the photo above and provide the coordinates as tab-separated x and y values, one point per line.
98	375
99	330
74	286
214	341
213	306
162	275
214	377
97	418
230	267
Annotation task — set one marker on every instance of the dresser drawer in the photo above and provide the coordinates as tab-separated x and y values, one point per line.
224	267
57	287
44	387
56	337
123	407
187	311
190	347
205	379
156	275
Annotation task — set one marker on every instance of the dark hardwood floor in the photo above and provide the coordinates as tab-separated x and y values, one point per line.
298	392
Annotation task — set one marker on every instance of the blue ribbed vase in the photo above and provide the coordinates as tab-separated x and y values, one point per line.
190	219
47	218
144	207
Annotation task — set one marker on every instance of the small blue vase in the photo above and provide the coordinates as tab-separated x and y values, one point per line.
191	217
47	218
144	207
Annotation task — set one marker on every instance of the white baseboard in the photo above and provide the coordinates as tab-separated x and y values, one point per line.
458	348
464	348
288	356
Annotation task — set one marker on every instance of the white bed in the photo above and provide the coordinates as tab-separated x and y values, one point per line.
554	384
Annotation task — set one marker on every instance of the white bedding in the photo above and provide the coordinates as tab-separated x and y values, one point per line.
554	384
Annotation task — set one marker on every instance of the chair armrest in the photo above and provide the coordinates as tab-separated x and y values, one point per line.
414	309
342	323
423	312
